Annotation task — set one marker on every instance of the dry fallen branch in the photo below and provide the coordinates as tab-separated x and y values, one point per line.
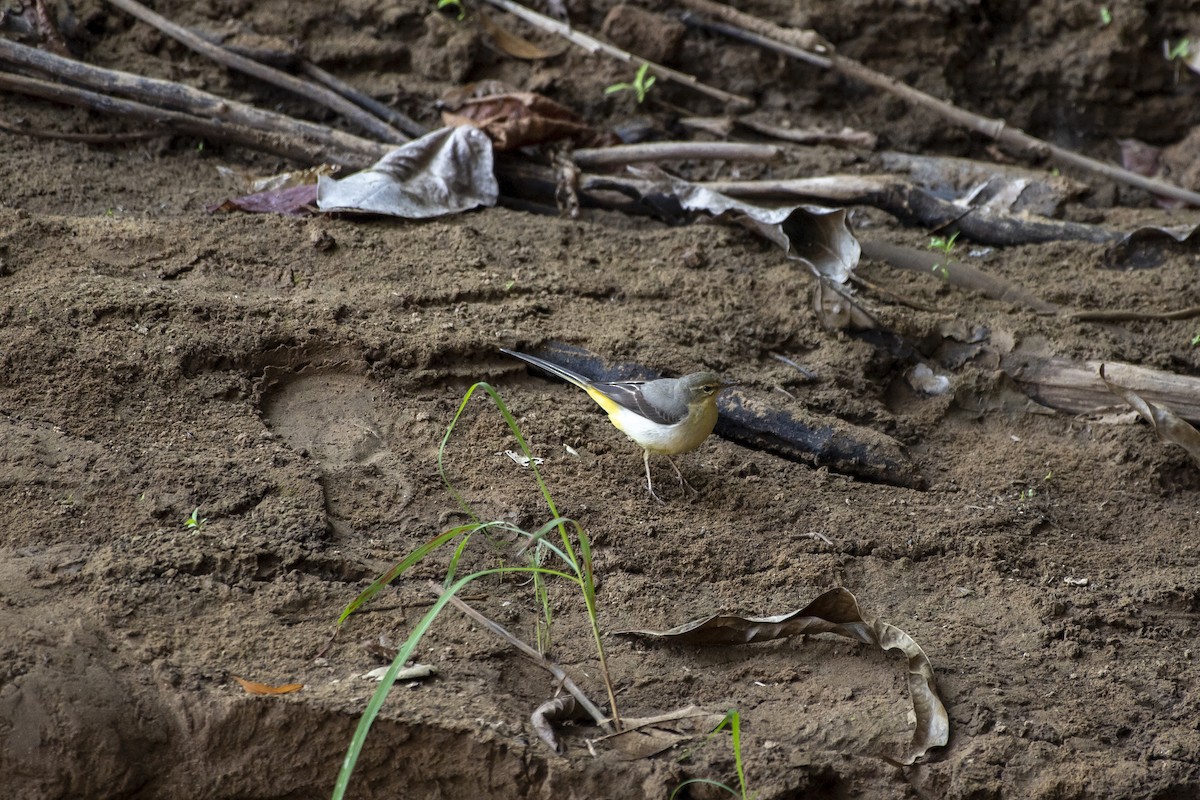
1166	423
1078	388
957	274
182	109
593	45
619	155
800	45
292	147
318	94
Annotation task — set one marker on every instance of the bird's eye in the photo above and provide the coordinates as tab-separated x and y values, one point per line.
708	388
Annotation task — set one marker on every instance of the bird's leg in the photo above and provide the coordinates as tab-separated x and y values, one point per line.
649	483
682	480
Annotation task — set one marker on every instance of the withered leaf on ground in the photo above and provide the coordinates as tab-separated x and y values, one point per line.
444	172
836	611
518	119
816	237
1169	426
254	687
514	45
560	709
296	201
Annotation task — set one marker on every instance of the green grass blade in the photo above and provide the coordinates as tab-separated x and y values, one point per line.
412	558
389	678
511	421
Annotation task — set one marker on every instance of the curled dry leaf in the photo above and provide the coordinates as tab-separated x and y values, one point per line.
560	709
816	237
1169	426
837	612
253	687
518	119
444	172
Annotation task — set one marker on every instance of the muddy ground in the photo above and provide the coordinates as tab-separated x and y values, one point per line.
156	359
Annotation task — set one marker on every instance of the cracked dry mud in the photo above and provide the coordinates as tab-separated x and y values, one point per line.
155	359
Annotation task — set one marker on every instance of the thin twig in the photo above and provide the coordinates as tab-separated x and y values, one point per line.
674	151
320	143
118	137
593	45
319	94
773	37
537	657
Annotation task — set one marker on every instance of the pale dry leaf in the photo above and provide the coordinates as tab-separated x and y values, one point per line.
836	611
444	172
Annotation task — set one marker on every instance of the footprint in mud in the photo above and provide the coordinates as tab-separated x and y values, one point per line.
345	422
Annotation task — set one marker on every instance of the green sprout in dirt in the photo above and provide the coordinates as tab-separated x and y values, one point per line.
1178	51
640	86
944	245
733	720
538	549
1196	340
1105	16
194	521
456	5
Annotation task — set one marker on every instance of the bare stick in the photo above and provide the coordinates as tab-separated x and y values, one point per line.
671	151
318	94
340	147
386	113
593	45
279	143
995	128
537	657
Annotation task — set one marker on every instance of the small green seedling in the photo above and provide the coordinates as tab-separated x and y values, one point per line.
455	4
194	521
642	82
1178	51
945	245
1105	16
1196	340
733	721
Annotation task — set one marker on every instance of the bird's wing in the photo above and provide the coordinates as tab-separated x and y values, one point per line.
633	395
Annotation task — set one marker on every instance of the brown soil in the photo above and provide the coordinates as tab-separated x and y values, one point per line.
155	359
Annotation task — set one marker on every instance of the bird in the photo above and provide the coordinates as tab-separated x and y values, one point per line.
665	417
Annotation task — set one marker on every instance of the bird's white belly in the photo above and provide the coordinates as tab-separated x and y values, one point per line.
687	434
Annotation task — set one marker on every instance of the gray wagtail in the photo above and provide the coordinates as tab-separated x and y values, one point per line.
664	417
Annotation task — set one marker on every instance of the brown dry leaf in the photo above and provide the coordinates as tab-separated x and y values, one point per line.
1169	426
515	46
649	736
518	119
837	612
253	687
560	709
